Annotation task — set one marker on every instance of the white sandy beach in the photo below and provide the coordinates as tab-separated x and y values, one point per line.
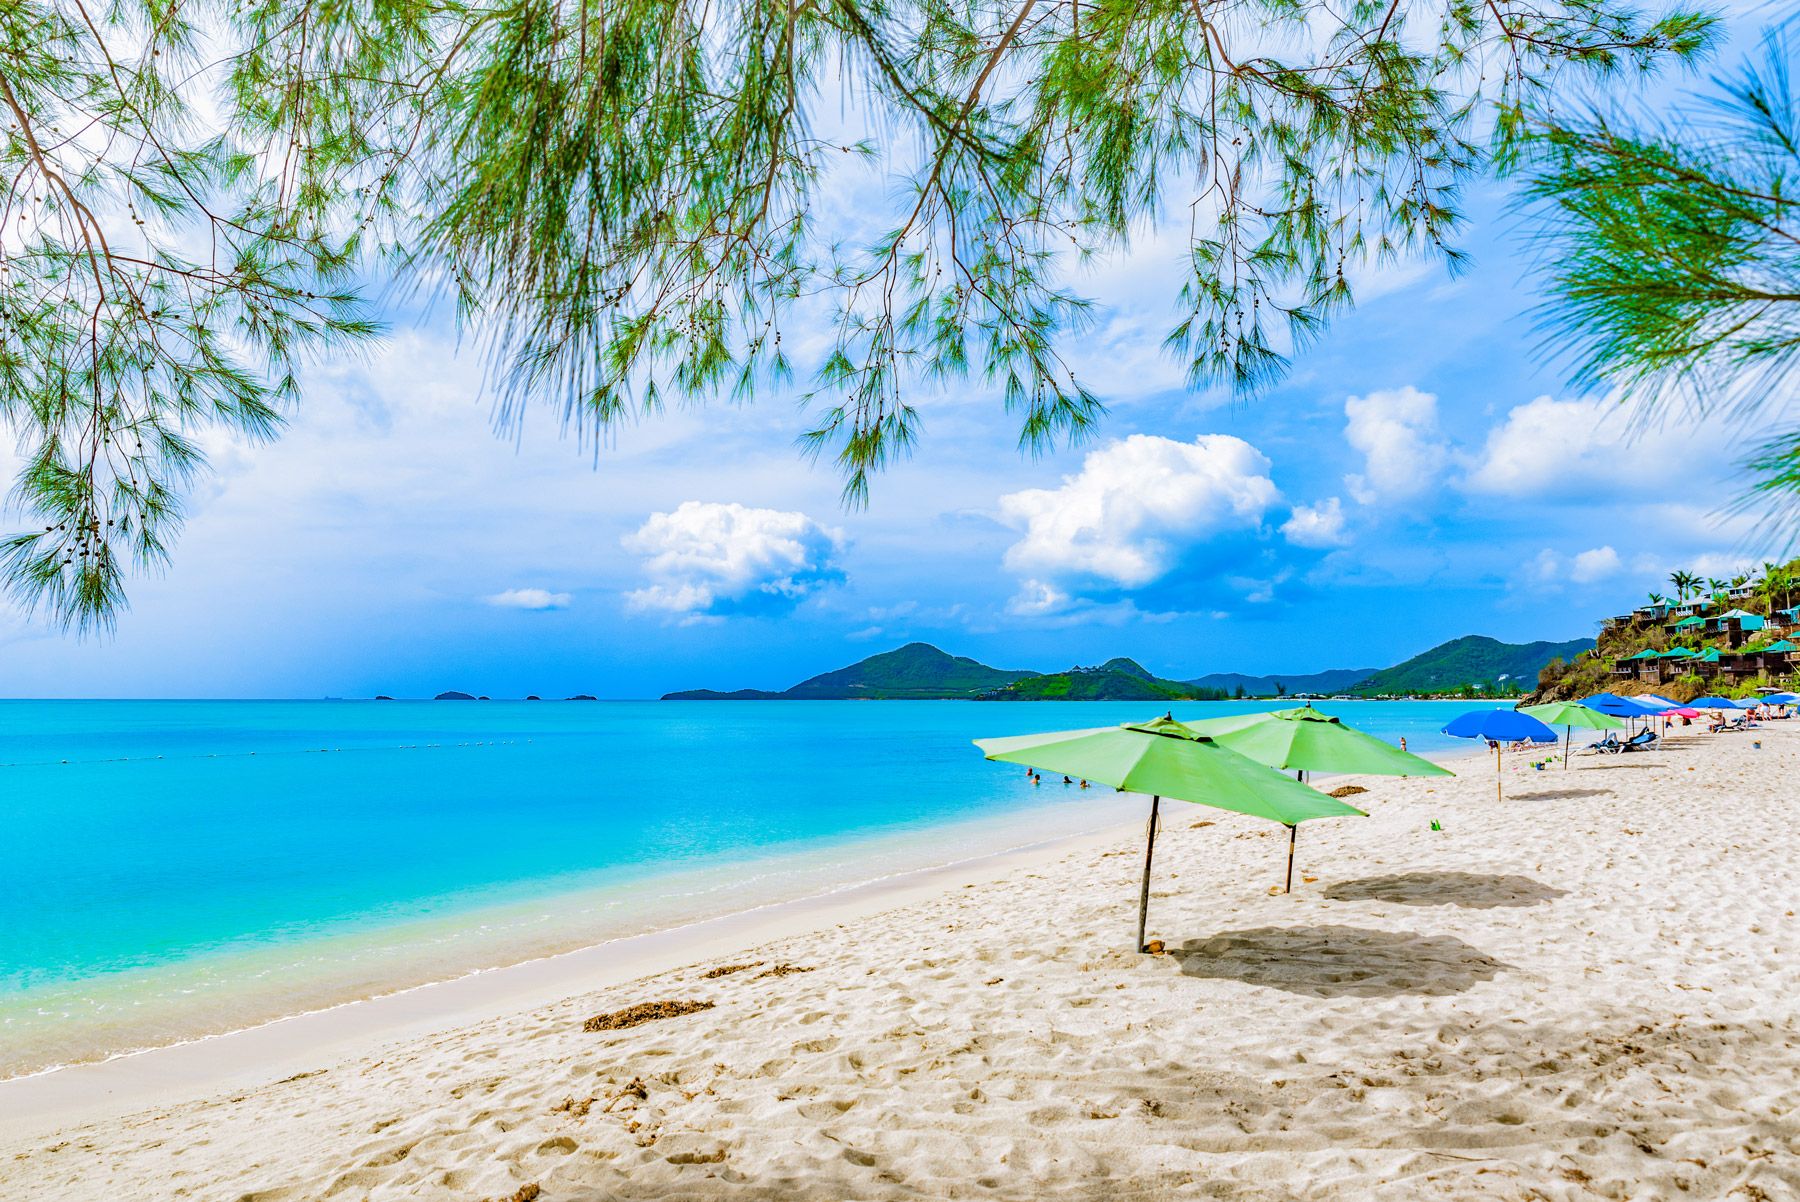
1589	991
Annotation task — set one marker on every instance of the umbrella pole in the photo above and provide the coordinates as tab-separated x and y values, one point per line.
1293	834
1568	733
1498	794
1144	897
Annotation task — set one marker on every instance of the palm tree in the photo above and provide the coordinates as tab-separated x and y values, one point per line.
1685	583
1777	582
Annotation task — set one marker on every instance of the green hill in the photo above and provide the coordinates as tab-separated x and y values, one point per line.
1116	680
917	671
1332	680
1472	662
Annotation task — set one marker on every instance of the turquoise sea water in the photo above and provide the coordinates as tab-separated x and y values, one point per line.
170	868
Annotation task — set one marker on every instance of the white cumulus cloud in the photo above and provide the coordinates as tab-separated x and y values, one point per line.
1396	431
529	598
1594	446
1036	599
1723	565
1554	570
1595	564
708	559
1317	526
1137	510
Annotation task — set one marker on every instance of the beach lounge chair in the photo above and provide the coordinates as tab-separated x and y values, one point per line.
1642	740
1610	745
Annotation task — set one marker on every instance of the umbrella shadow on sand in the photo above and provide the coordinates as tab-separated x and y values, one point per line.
1470	890
1338	961
1560	794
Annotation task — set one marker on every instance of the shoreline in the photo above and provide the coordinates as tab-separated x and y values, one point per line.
325	969
134	1078
50	1097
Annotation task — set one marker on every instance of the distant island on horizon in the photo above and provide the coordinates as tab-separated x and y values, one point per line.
1470	666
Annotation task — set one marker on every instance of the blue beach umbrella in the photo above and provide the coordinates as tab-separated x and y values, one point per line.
1713	703
1781	698
1500	726
1646	706
1622	707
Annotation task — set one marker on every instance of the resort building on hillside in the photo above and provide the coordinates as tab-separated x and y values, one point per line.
1654	667
1735	622
1744	646
1643	615
1776	659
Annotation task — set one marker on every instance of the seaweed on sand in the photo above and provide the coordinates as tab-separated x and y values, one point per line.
643	1012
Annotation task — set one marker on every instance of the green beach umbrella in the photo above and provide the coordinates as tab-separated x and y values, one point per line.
1569	715
1165	758
1306	740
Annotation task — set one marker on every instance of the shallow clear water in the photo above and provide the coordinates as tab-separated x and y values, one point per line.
173	868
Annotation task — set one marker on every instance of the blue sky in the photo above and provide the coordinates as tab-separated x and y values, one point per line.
1424	473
